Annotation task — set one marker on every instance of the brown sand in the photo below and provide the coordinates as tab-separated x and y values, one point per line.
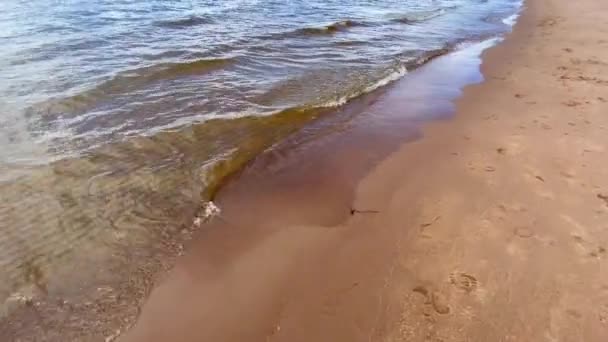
492	228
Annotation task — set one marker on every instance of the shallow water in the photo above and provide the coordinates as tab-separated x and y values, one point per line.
118	118
78	74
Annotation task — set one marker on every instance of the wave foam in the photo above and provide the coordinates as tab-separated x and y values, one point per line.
511	20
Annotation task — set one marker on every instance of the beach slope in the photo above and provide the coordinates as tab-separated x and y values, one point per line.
493	227
503	211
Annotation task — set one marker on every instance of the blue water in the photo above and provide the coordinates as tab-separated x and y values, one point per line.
78	74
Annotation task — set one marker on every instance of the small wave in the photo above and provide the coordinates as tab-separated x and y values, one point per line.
349	43
417	17
126	82
331	88
391	75
167	54
275	125
187	68
511	20
329	29
181	23
432	54
259	131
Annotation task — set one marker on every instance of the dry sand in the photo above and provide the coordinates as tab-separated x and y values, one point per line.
494	227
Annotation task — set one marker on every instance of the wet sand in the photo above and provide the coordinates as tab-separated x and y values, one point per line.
307	179
490	228
296	199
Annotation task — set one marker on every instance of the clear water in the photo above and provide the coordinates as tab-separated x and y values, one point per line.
77	74
109	108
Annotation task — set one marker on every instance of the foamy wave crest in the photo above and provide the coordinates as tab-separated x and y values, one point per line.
390	76
511	20
388	79
125	82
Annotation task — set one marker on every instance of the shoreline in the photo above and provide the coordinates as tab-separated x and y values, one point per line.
338	132
271	250
334	132
465	244
288	184
253	275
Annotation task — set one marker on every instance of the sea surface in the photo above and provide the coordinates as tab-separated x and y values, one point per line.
120	119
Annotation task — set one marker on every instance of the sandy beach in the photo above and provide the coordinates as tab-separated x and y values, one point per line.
492	227
489	223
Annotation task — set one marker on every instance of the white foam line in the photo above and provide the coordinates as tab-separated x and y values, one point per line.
511	20
390	78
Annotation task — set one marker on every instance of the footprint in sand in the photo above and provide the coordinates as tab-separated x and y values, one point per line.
421	290
604	198
521	221
574	313
440	303
568	175
572	103
523	232
464	281
602	314
583	78
598	252
548	22
586	247
434	299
